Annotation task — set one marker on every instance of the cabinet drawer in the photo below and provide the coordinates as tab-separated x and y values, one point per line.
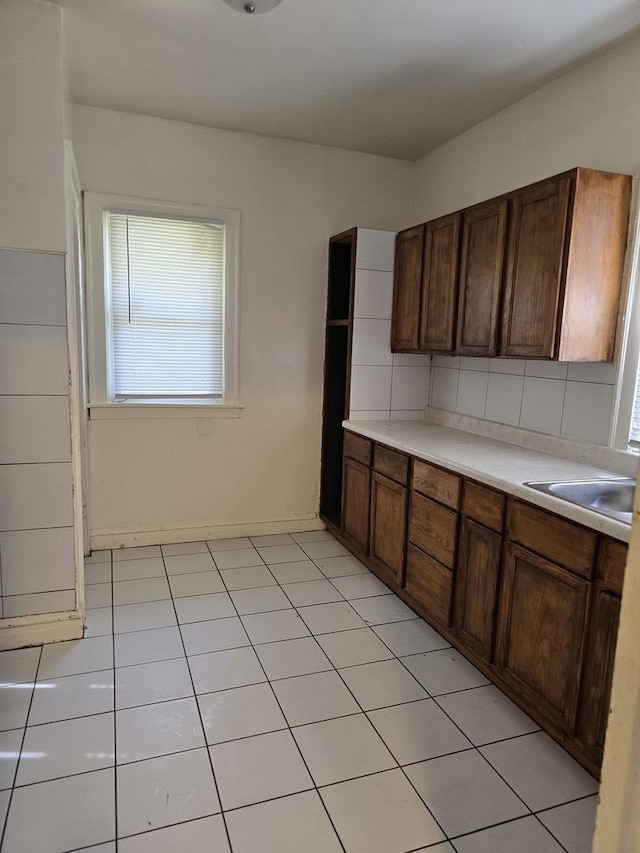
358	448
430	585
561	541
391	463
433	529
435	483
611	562
483	505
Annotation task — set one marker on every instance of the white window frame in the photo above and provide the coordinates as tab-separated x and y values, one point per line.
628	372
101	405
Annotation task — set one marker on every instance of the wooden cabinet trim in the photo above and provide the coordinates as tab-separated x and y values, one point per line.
388	534
477	582
407	290
557	539
598	670
484	505
535	277
358	448
612	560
541	635
482	261
430	585
391	463
440	284
437	483
433	528
356	498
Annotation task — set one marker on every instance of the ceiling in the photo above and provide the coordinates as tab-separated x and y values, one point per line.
390	77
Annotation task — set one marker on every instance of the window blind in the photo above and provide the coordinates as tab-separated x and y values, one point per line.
167	306
634	432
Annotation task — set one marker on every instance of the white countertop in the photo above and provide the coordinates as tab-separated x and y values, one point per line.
495	463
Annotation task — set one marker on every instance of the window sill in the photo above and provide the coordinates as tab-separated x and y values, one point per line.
169	410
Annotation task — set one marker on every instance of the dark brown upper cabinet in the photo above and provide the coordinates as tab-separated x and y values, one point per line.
405	331
536	274
440	284
484	239
539	225
567	242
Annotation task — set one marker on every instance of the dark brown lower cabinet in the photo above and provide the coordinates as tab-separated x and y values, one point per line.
477	577
598	671
388	528
356	495
541	628
531	598
430	585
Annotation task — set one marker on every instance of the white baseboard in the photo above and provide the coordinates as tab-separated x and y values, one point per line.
21	631
171	535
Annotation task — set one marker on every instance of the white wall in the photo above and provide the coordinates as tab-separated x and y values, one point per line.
37	547
590	117
158	480
31	136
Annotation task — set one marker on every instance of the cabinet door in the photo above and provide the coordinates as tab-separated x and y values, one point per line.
477	574
484	238
535	269
541	625
405	327
356	491
434	529
388	527
440	284
598	671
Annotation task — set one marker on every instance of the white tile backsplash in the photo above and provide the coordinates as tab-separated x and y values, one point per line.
444	388
409	359
370	388
373	415
32	288
542	402
33	360
384	385
504	398
573	400
371	342
409	388
472	393
406	415
582	371
473	363
33	496
37	560
587	412
374	294
507	365
375	250
35	429
546	369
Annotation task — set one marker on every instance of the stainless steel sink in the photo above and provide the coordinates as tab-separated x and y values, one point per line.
613	497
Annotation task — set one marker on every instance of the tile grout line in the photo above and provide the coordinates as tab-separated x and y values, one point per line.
398	766
371	626
197	704
115	719
302	758
24	735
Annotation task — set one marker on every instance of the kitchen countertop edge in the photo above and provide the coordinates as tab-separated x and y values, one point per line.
478	458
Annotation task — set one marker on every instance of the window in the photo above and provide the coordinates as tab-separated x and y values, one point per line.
162	306
626	413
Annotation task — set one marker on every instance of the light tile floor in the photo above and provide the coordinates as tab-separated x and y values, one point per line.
269	695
